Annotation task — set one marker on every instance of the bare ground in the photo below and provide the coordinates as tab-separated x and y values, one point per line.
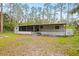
40	46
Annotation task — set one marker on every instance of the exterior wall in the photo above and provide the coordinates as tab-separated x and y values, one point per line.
53	33
51	28
67	32
16	29
21	32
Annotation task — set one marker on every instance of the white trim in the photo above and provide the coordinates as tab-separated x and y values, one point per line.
23	32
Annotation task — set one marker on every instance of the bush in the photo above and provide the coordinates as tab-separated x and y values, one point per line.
8	24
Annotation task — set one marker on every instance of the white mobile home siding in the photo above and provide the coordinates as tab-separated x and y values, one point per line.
51	28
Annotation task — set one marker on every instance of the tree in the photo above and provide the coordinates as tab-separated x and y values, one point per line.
1	17
33	14
43	13
75	9
61	8
68	7
25	9
55	12
48	9
17	13
39	13
8	25
11	11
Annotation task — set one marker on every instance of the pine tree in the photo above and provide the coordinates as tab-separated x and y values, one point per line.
1	18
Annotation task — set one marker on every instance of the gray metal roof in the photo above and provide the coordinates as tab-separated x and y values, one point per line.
44	24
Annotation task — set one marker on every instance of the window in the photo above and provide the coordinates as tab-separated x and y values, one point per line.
56	27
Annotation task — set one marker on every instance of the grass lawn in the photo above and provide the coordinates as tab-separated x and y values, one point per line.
15	44
6	38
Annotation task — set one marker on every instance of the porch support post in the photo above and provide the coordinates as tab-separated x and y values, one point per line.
39	28
65	29
33	28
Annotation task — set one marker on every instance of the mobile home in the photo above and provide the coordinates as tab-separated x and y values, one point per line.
55	29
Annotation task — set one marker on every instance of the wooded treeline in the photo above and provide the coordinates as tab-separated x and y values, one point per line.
13	14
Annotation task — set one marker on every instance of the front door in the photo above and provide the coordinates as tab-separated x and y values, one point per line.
36	28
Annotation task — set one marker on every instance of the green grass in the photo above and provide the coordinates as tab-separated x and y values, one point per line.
12	38
4	41
73	42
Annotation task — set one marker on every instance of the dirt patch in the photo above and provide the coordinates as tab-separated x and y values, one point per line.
39	47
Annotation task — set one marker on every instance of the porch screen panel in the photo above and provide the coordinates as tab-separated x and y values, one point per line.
25	28
29	28
22	28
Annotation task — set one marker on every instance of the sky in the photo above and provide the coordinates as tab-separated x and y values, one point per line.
35	4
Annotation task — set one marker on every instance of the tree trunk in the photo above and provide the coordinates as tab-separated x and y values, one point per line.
11	12
61	11
61	14
43	15
68	13
54	16
1	18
